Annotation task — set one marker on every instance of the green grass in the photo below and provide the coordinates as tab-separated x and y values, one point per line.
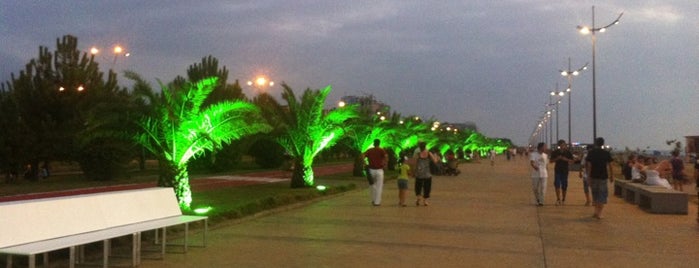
227	202
237	202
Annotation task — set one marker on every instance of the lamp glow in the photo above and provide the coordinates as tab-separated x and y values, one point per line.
202	210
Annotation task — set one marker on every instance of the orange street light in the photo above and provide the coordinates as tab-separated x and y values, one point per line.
261	83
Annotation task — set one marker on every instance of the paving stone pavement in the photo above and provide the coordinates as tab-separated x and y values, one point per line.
485	217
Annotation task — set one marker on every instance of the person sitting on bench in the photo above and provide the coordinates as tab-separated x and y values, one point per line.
655	172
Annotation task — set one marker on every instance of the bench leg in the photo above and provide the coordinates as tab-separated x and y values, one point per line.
71	258
105	251
9	259
81	254
162	243
32	261
135	249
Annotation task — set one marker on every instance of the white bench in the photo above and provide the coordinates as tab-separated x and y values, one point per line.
39	226
656	199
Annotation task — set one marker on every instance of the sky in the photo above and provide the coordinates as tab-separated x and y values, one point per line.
493	63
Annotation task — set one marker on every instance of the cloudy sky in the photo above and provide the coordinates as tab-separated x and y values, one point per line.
489	62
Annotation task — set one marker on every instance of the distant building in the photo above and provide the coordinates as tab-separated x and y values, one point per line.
367	102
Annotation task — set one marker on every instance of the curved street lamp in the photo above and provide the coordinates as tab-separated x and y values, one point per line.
592	30
569	74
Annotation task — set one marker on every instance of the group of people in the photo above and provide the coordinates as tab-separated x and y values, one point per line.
650	171
597	170
418	167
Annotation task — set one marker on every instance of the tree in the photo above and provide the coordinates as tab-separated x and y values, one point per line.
362	134
309	130
54	97
180	129
229	154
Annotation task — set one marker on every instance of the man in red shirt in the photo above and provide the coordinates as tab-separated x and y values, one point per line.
378	158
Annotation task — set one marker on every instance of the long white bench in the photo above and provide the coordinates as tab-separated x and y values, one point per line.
656	199
43	225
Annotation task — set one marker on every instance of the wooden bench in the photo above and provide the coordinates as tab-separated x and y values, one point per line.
656	199
40	226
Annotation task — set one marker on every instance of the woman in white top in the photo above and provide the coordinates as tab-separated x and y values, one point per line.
655	172
636	168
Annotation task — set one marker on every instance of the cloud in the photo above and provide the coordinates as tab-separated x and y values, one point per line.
663	14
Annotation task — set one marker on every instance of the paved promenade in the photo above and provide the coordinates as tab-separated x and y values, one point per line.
483	218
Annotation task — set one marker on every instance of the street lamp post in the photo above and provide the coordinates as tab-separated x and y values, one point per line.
118	51
592	30
569	74
550	123
559	95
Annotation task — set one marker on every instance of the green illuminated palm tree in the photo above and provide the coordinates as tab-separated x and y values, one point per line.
310	129
409	131
361	138
179	129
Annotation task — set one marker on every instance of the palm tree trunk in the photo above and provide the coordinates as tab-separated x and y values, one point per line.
300	177
177	177
358	170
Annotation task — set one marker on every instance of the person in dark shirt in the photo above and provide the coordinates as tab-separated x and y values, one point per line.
562	157
599	168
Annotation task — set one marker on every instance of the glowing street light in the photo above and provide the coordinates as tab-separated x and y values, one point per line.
118	51
592	30
559	95
569	74
79	88
261	83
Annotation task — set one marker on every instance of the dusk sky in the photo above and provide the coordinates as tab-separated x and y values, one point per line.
491	62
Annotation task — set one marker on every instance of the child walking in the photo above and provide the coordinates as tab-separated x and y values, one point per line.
403	181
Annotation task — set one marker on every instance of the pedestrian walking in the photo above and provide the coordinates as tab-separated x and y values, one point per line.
403	181
562	157
423	177
377	158
539	163
599	169
583	176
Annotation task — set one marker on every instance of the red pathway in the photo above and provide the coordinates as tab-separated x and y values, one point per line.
197	184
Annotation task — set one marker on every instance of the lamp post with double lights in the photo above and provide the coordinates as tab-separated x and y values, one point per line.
260	83
118	51
592	30
558	94
569	73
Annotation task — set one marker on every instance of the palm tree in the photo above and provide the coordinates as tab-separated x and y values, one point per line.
309	130
179	129
361	139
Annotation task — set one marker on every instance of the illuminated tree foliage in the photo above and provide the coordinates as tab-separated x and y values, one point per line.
180	129
409	131
361	135
310	129
229	155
